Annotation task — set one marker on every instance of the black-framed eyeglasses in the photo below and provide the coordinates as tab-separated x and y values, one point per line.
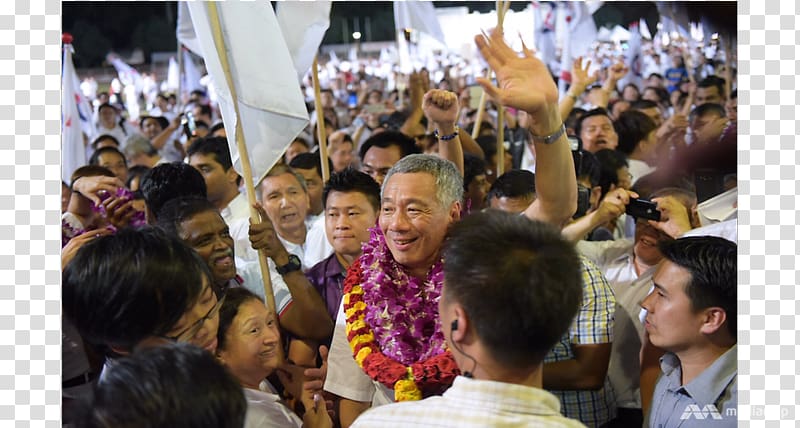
188	333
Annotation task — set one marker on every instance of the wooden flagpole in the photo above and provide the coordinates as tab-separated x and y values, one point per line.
323	144
219	42
501	7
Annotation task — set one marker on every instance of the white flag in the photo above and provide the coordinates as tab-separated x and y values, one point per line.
173	74
185	30
191	75
582	29
75	118
303	25
633	57
268	94
127	74
418	15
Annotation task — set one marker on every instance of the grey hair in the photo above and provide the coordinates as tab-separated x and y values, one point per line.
138	144
448	181
280	169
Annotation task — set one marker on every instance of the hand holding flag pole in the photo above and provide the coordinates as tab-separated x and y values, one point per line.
219	43
323	145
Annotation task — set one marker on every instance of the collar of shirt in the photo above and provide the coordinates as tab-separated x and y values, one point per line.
710	384
237	208
504	397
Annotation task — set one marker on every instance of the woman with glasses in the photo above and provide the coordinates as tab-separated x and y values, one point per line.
139	288
249	345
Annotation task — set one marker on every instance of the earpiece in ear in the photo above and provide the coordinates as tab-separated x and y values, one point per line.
454	325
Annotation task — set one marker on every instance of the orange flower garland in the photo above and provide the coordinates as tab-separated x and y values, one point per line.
424	378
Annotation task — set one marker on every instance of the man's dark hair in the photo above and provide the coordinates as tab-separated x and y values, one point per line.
309	161
593	112
169	180
175	385
385	139
485	124
488	144
610	161
352	180
134	172
103	137
215	146
234	298
713	82
518	281
632	126
162	121
122	288
216	127
180	209
662	93
95	159
707	108
586	166
473	167
205	109
657	75
513	184
643	104
712	263
572	119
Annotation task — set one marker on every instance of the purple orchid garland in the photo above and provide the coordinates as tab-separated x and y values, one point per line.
402	311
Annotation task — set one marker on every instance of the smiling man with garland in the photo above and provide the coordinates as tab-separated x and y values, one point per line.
397	349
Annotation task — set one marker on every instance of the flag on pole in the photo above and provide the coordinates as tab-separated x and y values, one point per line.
633	57
544	32
268	98
303	25
185	30
75	115
173	74
127	74
191	75
582	29
420	16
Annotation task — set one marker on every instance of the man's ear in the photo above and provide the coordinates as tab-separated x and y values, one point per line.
594	197
231	175
455	212
714	319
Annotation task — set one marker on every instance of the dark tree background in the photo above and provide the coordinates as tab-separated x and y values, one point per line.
99	27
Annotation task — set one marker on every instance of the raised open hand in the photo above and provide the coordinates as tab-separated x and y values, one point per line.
580	74
523	82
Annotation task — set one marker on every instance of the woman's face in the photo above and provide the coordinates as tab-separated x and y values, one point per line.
252	343
199	323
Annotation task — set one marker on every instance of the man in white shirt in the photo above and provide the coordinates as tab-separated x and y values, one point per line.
499	325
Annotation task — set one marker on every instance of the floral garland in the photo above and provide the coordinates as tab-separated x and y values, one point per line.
393	326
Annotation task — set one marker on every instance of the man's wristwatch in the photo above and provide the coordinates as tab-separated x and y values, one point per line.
552	138
293	265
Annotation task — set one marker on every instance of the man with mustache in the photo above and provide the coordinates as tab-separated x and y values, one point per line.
199	224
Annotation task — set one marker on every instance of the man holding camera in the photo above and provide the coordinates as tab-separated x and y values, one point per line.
629	266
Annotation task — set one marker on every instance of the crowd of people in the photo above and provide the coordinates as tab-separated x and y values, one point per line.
580	273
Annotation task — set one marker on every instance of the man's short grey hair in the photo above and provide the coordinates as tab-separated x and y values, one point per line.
448	181
138	144
280	169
